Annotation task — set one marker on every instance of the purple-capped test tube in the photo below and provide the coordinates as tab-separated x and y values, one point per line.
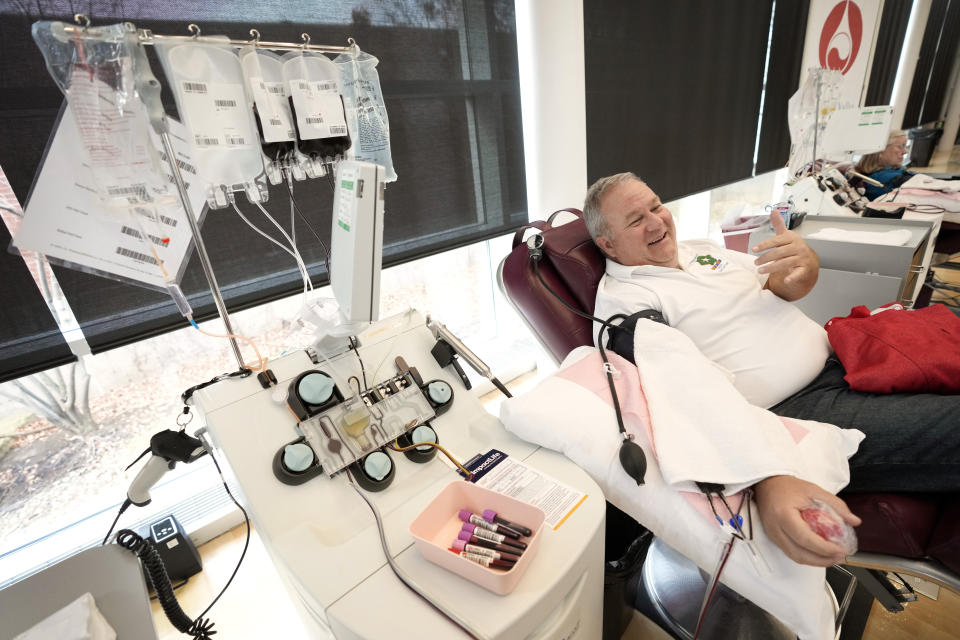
486	534
491	516
472	518
466	536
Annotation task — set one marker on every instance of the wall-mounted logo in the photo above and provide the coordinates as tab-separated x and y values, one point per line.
841	36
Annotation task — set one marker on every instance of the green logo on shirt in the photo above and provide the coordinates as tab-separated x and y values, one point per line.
709	261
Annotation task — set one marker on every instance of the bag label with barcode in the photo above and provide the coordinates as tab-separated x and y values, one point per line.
216	113
319	109
276	121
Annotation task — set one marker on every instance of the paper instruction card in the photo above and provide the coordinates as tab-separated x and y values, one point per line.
65	218
498	472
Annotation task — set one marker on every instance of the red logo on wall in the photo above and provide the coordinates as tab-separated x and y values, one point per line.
841	36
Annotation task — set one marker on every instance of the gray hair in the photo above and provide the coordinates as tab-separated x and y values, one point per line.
592	215
894	134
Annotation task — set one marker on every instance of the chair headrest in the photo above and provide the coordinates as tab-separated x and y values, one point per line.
572	267
577	260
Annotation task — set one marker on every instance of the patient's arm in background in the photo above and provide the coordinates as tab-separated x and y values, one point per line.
780	500
793	266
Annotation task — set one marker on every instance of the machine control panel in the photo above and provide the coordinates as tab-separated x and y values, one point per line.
338	431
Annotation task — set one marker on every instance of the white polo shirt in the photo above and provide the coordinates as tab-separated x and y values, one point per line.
717	299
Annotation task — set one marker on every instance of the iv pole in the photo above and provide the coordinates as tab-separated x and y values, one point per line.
149	89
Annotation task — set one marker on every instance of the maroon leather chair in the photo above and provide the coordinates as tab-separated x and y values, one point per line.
913	533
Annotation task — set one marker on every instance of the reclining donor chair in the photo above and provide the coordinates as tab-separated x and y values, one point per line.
916	534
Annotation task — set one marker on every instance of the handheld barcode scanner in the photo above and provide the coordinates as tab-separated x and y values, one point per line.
167	448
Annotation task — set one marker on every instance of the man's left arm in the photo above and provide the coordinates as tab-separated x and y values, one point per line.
793	267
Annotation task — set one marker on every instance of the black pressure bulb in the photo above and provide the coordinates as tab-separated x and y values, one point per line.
312	392
373	472
422	433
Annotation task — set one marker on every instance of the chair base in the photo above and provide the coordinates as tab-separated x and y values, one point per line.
671	593
927	569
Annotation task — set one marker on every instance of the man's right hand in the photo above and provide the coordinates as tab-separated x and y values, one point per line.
780	499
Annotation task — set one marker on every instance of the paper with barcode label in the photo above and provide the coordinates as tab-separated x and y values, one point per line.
319	109
66	220
497	471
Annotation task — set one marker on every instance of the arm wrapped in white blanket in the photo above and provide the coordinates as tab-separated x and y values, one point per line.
704	430
693	426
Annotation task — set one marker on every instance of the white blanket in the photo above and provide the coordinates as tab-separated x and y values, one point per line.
692	425
704	430
922	181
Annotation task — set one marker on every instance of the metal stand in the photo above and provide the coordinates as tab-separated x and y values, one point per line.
201	248
816	121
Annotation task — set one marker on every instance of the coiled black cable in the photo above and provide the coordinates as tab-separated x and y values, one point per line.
201	629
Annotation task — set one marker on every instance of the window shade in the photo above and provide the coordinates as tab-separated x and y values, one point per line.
673	90
933	64
450	82
29	337
783	78
886	55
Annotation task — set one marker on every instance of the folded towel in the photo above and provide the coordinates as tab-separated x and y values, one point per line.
79	620
896	238
921	181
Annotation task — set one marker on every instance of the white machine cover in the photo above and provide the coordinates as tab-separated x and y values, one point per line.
683	410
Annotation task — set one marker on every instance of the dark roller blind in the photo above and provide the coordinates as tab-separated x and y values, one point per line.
29	337
942	65
673	90
886	54
933	64
449	76
783	78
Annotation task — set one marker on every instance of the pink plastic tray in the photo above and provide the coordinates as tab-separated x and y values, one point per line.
437	526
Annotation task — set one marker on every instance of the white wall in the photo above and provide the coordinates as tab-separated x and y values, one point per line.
553	101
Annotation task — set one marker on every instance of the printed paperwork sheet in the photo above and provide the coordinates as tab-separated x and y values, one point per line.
66	220
498	472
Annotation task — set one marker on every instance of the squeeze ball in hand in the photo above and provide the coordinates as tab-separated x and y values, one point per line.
827	524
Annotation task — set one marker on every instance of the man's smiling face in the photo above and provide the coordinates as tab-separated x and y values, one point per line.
642	231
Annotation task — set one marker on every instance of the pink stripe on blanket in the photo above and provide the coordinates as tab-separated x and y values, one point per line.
588	373
796	430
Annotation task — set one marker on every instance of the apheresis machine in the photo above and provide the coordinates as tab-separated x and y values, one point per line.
391	503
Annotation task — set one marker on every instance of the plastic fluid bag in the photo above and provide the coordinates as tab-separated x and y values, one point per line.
263	72
208	84
313	83
808	112
96	72
366	112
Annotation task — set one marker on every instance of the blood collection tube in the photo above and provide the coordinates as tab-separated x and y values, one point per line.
480	532
491	516
463	545
472	539
474	519
486	561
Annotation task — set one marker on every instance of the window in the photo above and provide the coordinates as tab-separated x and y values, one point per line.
449	75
